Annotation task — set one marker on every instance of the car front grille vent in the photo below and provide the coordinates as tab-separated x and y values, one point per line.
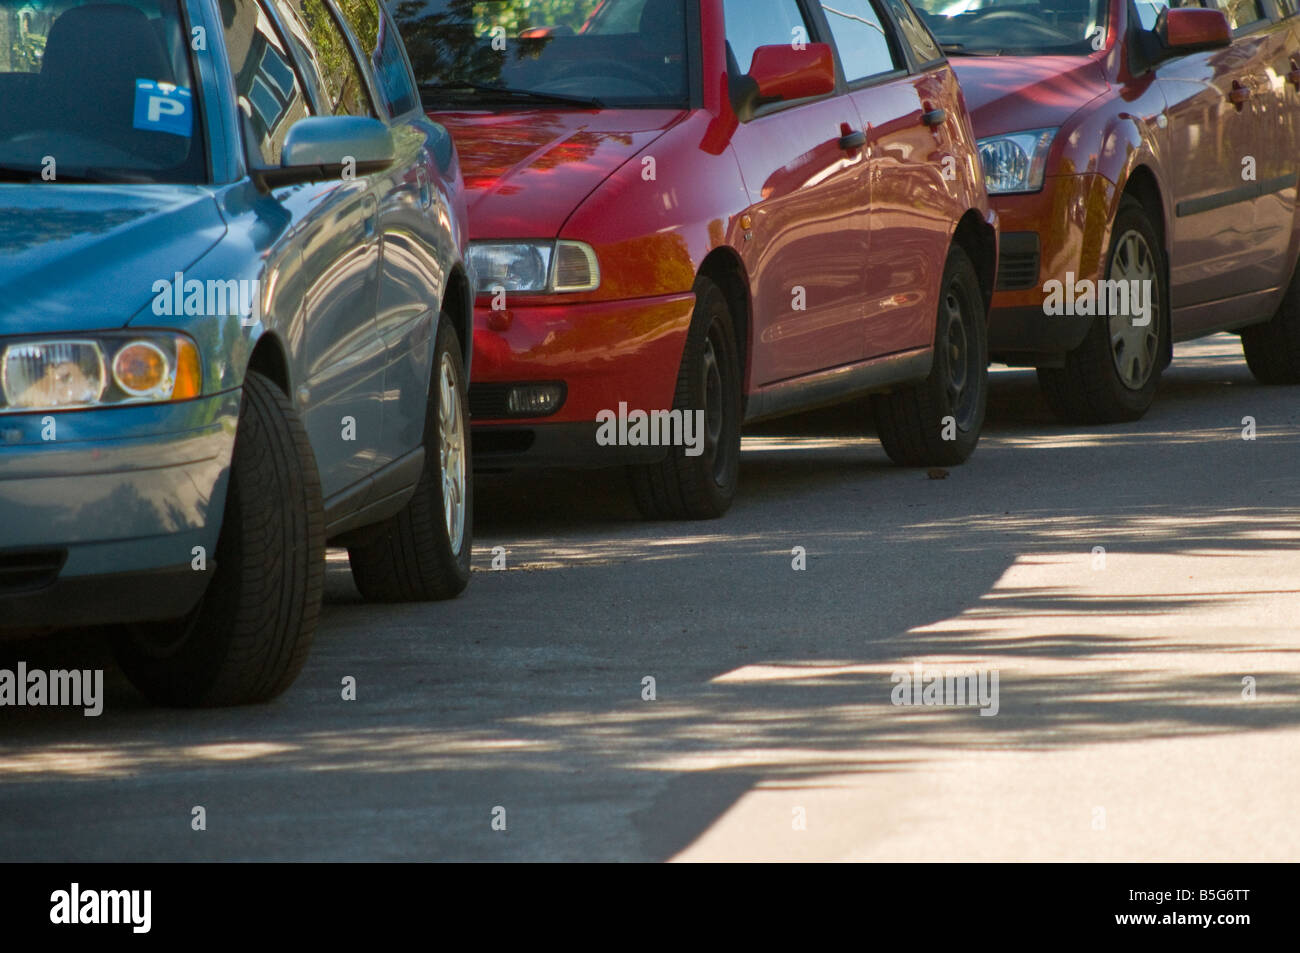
30	570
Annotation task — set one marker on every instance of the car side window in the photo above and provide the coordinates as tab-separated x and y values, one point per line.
266	86
1242	13
1149	10
860	37
379	43
915	33
755	23
324	47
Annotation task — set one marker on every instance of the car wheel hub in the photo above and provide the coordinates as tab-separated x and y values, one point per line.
1135	348
961	356
713	409
451	452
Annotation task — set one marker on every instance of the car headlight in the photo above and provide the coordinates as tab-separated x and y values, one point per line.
1015	162
534	267
97	371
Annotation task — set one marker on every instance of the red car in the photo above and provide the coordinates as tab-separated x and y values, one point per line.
1135	142
686	215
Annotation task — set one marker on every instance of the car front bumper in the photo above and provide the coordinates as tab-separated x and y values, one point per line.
604	353
111	514
1062	229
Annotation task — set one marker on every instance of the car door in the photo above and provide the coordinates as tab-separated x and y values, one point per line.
1279	128
415	236
1288	11
905	118
1216	108
1269	44
339	243
809	224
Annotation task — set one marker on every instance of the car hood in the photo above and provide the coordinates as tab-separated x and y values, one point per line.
1013	93
526	171
85	257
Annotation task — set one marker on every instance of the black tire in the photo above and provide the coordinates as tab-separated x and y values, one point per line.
1272	349
1089	389
912	421
250	634
415	555
701	487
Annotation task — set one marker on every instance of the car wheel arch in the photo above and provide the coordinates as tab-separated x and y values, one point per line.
1142	186
977	238
458	302
724	268
269	359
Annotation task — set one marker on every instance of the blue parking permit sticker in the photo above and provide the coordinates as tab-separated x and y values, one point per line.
162	107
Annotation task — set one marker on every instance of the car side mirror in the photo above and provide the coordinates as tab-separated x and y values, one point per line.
318	148
1185	30
783	72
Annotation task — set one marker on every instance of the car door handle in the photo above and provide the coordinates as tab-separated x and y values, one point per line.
370	222
1293	77
934	117
853	140
1240	93
422	180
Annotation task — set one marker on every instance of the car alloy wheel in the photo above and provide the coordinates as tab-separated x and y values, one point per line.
422	553
451	451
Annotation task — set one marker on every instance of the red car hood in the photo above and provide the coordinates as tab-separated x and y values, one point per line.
527	171
1013	93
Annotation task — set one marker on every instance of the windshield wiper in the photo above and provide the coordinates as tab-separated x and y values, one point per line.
532	95
959	49
17	173
8	174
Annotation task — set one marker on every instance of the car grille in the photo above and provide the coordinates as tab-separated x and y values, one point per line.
26	571
1018	256
493	441
488	401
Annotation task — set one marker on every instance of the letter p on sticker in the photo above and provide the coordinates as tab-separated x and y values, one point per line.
160	106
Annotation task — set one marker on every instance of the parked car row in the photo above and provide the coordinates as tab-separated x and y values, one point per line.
268	268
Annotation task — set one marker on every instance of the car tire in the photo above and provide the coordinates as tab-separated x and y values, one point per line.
683	487
1272	349
1091	388
422	553
249	636
912	422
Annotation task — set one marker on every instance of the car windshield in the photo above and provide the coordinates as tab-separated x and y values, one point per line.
97	92
581	53
1015	27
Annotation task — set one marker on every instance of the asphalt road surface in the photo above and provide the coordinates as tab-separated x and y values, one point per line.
1125	726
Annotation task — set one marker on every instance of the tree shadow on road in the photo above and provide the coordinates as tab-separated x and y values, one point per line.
528	691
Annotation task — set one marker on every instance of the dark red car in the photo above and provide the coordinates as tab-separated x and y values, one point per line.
1135	141
691	214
